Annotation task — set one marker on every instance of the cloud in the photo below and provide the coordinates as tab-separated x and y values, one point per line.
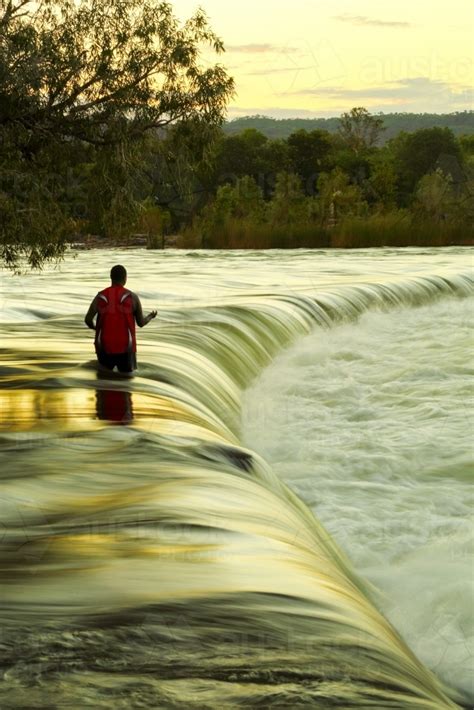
258	48
280	70
363	21
295	66
403	91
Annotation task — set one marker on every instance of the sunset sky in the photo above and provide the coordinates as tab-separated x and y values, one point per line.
315	58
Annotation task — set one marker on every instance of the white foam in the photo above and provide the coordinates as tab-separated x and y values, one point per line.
371	424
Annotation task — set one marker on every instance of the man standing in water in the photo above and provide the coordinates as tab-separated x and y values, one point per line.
117	310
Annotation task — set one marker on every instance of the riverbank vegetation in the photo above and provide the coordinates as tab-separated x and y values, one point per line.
112	125
321	190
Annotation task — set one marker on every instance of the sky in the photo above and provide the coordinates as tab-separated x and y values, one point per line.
304	58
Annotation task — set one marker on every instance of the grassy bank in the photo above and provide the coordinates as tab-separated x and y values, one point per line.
392	230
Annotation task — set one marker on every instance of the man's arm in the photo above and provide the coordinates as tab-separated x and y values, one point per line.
90	315
141	320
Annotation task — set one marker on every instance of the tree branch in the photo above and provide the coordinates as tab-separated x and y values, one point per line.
11	12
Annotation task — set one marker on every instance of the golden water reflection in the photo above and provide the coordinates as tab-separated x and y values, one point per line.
87	410
115	406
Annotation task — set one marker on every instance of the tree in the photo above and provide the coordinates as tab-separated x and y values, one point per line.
338	197
241	203
275	159
93	75
180	168
434	196
249	203
466	145
417	154
251	153
381	186
310	154
240	155
360	130
289	204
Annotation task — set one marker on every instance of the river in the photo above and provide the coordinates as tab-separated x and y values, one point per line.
274	512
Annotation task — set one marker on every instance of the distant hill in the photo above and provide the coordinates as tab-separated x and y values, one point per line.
461	123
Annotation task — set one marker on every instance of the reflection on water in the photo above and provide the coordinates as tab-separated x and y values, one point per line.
159	563
37	409
115	406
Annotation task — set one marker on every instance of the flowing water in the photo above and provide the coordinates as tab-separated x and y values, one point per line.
273	513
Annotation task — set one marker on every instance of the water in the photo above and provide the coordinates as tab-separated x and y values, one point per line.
150	560
372	426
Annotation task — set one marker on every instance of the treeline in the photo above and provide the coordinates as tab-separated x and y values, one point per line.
112	124
317	189
314	189
459	122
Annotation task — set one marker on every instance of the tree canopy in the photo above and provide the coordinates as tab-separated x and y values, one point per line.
338	189
81	83
360	130
417	154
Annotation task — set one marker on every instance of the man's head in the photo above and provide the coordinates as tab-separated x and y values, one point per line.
118	275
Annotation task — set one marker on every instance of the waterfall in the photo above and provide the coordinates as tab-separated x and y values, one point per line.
143	543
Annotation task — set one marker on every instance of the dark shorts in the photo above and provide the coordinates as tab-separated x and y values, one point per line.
124	362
